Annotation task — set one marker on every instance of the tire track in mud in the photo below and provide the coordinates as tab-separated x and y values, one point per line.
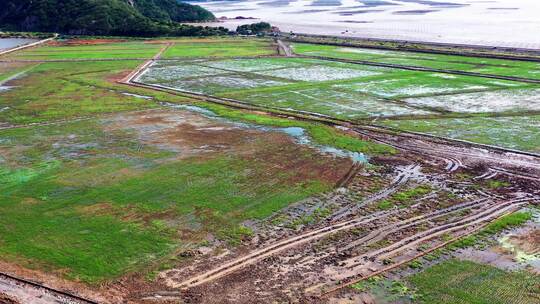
257	255
401	179
486	216
280	246
453	162
480	220
347	178
379	234
275	248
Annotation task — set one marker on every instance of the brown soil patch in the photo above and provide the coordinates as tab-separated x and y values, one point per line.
114	78
529	242
9	66
191	134
303	163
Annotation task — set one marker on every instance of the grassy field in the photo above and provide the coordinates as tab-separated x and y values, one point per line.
116	50
228	47
51	91
113	191
457	281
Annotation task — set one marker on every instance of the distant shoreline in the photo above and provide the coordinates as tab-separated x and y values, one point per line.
470	24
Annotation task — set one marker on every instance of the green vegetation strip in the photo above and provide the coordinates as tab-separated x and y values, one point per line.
221	48
456	281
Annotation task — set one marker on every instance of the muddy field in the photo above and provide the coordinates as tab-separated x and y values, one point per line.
196	178
382	219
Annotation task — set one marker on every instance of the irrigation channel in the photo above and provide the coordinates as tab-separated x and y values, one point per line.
451	155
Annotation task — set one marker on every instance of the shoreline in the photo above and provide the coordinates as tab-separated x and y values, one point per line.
468	23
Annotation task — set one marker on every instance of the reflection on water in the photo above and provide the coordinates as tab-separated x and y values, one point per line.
512	23
8	43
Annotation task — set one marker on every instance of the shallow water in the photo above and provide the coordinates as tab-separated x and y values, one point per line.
297	133
8	43
512	23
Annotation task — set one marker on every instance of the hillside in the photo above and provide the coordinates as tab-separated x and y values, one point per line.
103	17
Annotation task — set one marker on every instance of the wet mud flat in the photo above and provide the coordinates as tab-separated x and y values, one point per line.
433	192
450	207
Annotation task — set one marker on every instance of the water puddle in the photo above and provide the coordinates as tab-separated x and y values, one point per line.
516	249
138	96
299	134
4	88
203	111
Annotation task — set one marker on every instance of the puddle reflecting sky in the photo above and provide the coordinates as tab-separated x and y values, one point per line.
8	43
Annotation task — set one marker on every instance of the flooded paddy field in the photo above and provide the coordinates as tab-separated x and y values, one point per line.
520	132
127	193
357	92
437	61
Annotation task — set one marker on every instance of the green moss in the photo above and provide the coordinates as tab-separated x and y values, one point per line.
499	225
508	221
495	184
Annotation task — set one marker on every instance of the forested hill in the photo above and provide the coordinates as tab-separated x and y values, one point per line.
103	17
